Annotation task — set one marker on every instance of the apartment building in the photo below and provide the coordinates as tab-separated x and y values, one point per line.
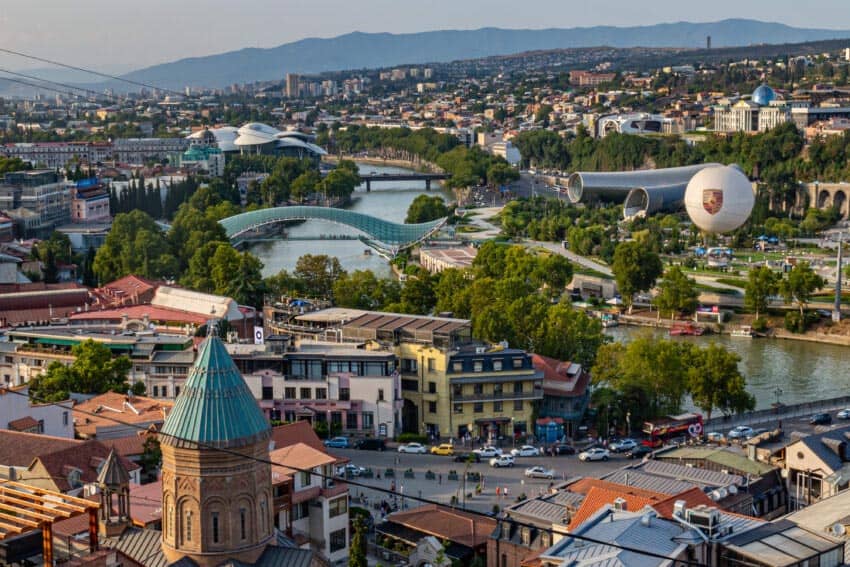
38	201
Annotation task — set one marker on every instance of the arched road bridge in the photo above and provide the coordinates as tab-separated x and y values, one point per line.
387	236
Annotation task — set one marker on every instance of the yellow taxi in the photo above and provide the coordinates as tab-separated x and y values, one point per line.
443	449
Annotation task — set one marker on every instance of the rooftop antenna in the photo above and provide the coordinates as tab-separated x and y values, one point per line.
836	311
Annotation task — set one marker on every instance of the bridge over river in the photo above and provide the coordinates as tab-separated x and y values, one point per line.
385	236
370	178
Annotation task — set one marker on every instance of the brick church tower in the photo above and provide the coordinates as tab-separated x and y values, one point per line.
216	498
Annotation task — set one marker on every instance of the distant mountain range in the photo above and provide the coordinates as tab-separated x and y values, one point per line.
371	50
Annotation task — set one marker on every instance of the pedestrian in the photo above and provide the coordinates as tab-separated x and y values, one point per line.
392	486
505	492
497	492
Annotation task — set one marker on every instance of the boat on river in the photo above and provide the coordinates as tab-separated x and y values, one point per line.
744	332
686	329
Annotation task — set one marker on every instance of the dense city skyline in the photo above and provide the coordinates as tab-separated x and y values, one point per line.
59	30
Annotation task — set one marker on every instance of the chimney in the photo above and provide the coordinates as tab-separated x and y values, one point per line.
679	508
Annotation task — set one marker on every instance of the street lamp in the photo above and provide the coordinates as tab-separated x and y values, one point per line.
778	392
513	432
628	423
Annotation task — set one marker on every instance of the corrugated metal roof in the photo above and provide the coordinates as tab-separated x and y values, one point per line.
215	407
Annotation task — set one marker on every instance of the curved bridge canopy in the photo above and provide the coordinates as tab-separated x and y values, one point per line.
392	235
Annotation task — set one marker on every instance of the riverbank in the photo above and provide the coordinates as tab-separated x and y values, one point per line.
419	165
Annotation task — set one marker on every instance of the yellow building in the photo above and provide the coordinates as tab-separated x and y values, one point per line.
453	386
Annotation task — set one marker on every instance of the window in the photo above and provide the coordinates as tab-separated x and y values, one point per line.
432	387
339	540
351	420
268	393
306	478
432	407
368	420
478	388
165	391
344	394
497	406
504	562
305	393
517	387
338	507
409	385
517	405
188	530
264	517
478	407
215	534
457	366
457	390
497	389
517	363
432	365
380	394
301	511
40	427
156	391
289	393
65	419
478	365
497	365
336	418
408	365
321	393
458	408
526	536
177	391
242	531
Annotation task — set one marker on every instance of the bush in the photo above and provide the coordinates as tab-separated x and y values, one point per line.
798	324
759	325
412	438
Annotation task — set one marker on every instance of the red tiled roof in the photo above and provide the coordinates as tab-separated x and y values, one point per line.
447	523
19	449
127	446
85	457
597	497
556	380
693	497
130	289
297	432
146	503
163	314
23	424
104	409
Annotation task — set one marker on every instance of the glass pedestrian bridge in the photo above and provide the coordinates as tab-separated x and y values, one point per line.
388	236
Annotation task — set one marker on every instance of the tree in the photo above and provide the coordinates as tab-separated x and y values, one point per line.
135	245
237	275
635	267
452	292
357	552
677	293
305	184
762	282
426	208
151	458
570	334
362	289
715	383
93	371
88	276
799	285
318	272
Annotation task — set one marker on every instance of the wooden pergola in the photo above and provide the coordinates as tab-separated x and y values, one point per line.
25	508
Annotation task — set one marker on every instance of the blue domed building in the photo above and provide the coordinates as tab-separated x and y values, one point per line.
764	95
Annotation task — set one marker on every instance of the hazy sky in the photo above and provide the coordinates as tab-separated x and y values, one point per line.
125	34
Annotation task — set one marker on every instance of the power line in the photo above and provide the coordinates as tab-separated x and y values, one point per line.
90	71
29	84
361	484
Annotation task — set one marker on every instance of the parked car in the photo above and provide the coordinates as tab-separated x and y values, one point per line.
639	452
623	445
371	444
540	472
594	454
502	461
740	432
445	449
350	470
714	437
467	457
337	442
526	451
821	419
488	451
843	414
417	448
756	432
562	449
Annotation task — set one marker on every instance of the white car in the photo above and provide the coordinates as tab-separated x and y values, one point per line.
740	432
350	470
539	472
488	451
594	454
526	451
502	461
843	414
714	437
623	445
417	448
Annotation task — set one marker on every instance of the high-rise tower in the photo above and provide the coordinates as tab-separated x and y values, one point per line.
216	481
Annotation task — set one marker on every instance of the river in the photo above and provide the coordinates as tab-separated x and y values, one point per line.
804	371
388	201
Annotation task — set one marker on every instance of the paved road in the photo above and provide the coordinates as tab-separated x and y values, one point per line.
443	490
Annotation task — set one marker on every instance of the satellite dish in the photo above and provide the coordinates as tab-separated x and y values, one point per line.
838	529
733	489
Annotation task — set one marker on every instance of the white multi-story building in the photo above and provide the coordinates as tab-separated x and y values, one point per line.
19	414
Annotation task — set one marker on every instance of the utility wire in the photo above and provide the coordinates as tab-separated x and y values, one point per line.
28	83
360	484
90	71
67	86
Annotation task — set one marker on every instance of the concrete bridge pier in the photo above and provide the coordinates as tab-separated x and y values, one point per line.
427	184
368	185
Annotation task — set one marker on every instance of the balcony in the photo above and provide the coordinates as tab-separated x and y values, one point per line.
535	394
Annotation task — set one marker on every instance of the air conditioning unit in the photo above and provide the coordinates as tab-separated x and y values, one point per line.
705	518
480	350
679	508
